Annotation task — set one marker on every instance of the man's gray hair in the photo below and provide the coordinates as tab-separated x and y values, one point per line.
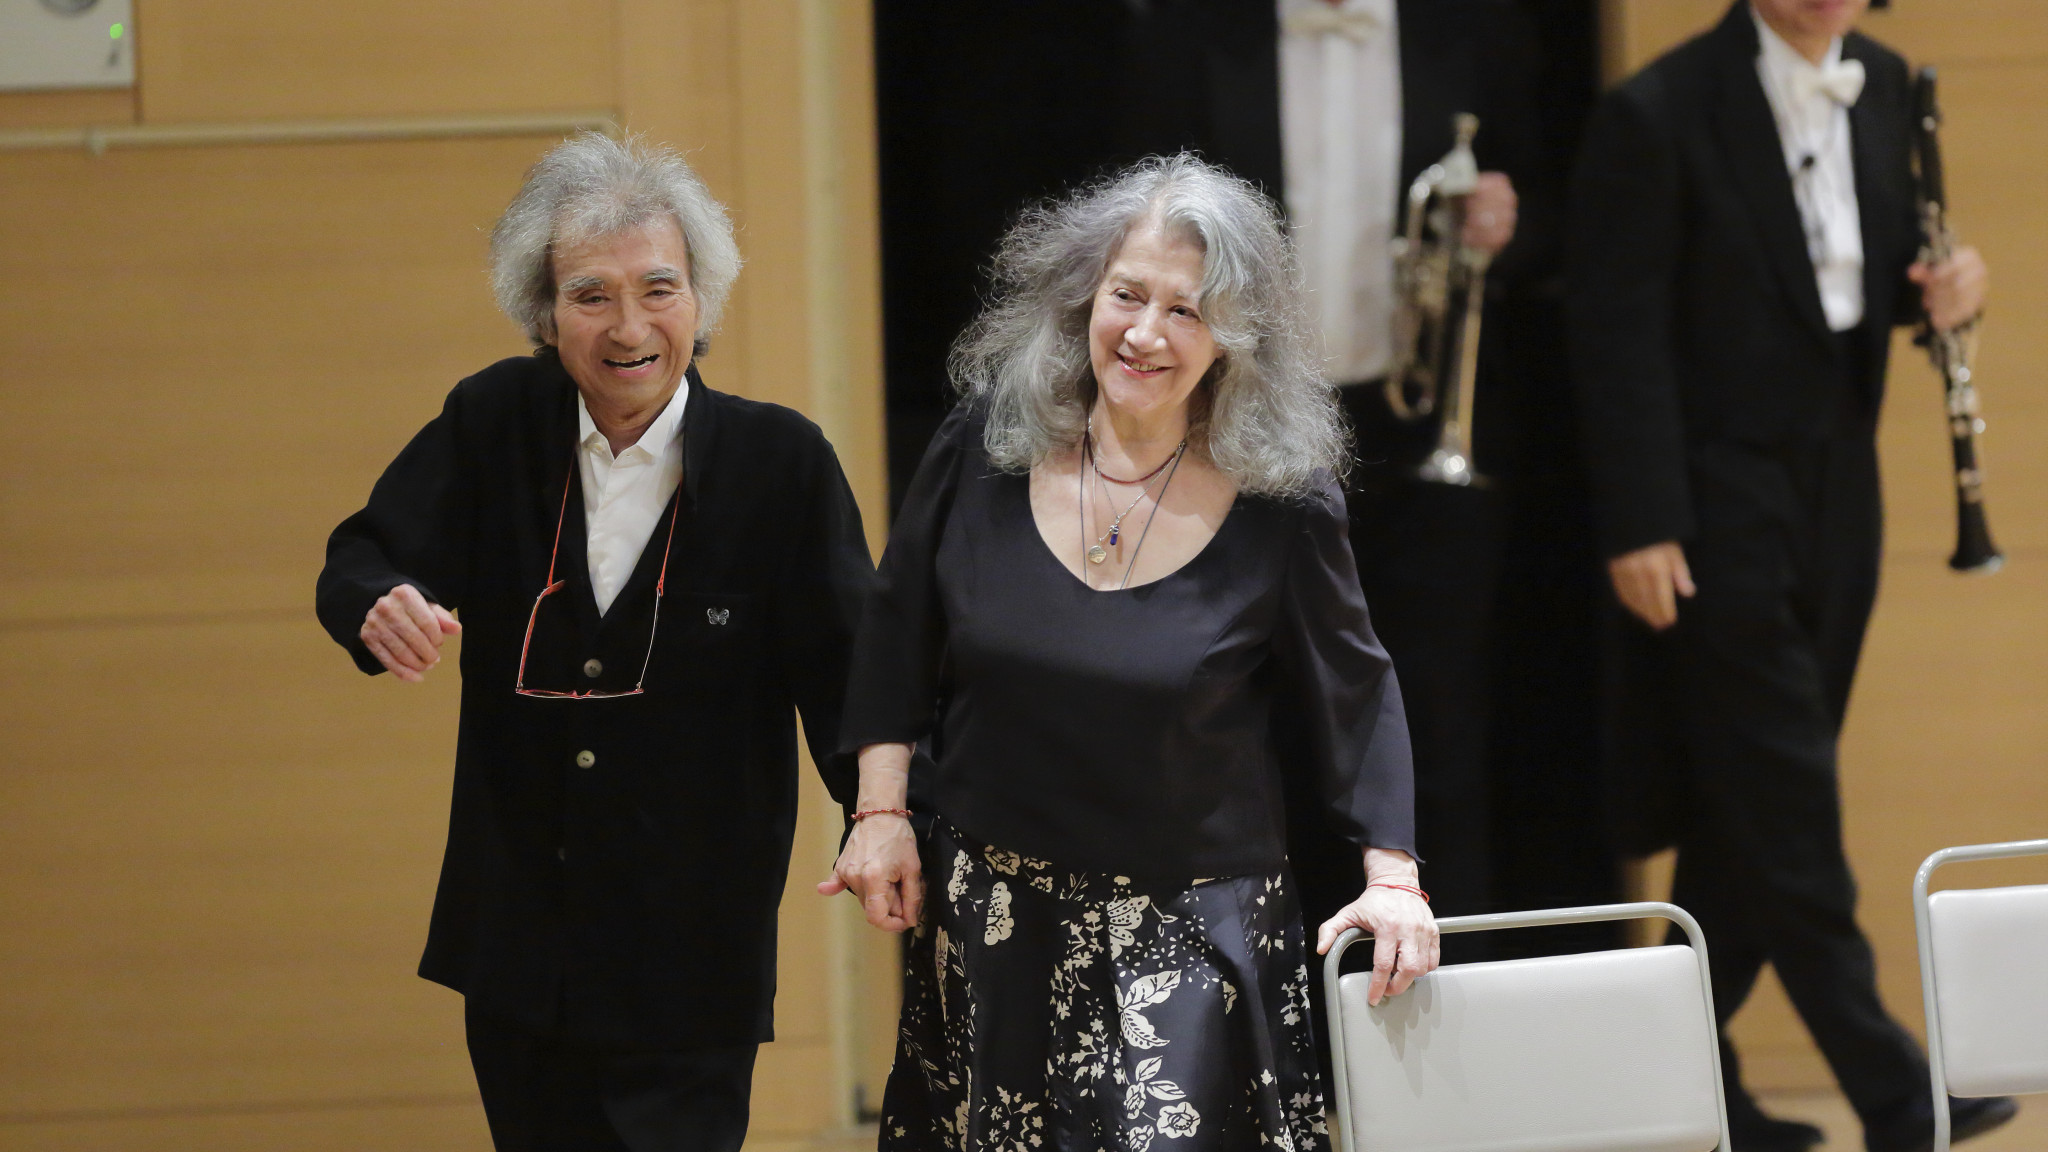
589	186
1264	412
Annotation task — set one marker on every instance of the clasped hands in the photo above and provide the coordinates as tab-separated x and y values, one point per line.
879	862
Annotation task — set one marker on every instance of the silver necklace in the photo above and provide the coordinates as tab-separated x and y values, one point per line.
1096	553
1153	515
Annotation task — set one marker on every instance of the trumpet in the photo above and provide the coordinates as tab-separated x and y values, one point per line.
1439	289
1951	351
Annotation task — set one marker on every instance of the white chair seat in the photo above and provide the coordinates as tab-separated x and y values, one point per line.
1983	982
1597	1052
1991	956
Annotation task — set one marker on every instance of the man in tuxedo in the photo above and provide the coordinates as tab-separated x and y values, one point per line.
1743	239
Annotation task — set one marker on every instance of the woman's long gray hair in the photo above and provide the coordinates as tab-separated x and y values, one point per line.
591	185
1264	412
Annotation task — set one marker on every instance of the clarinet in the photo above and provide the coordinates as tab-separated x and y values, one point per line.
1950	351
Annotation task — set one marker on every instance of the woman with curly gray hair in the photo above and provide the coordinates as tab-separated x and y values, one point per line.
1120	604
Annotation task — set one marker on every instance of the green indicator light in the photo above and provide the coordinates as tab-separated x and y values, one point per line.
114	32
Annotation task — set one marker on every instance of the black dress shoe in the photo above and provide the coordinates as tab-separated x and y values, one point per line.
1914	1131
1761	1133
1974	1116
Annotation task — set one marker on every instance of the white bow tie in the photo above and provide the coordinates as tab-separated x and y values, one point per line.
1841	82
1321	19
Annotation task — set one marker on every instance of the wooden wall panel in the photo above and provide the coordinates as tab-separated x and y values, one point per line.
218	846
1634	32
678	85
217	840
441	1127
218	367
844	203
227	60
1945	737
774	325
1947	32
66	108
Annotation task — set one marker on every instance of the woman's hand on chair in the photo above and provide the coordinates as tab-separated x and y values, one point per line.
1404	936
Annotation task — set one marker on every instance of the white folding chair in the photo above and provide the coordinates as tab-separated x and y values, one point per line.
1984	980
1610	1051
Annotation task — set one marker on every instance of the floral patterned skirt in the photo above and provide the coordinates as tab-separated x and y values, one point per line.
1053	1010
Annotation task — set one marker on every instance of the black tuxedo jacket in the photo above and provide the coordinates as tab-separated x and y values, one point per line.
1694	315
1219	60
626	897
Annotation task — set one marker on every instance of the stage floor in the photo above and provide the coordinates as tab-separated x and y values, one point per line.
2028	1131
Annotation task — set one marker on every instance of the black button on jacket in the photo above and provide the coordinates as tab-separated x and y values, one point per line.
614	866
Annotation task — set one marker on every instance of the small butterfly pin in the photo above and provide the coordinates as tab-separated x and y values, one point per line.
718	615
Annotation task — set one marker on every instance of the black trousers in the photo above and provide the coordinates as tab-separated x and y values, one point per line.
1786	563
546	1094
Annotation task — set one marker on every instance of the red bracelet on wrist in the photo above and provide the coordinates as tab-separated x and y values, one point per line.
1401	888
867	812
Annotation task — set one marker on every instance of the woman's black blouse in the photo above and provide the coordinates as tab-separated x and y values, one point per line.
1142	732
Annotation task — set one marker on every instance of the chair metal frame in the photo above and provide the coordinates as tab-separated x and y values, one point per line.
1937	1076
1591	914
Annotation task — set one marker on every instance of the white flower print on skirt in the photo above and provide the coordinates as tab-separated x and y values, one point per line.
1053	1010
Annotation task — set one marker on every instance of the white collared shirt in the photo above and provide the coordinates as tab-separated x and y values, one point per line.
1340	140
1815	135
624	496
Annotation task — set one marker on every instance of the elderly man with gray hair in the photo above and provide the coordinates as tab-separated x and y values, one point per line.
651	578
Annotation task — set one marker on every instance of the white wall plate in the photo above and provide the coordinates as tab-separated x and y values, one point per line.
66	44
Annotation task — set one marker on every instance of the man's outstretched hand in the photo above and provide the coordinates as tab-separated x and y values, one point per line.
405	632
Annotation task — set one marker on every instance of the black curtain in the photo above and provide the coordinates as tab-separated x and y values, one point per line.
1551	847
983	108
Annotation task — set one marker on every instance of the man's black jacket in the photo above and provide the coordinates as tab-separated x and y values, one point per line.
1694	313
1221	59
626	897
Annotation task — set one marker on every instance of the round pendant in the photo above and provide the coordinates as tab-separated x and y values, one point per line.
1096	555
